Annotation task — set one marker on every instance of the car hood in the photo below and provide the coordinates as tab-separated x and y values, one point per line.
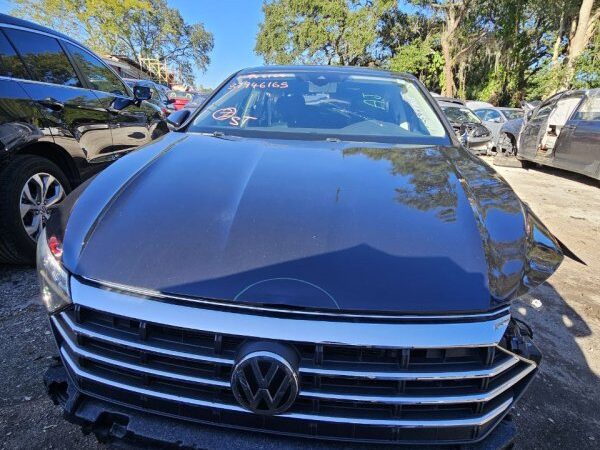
513	126
306	224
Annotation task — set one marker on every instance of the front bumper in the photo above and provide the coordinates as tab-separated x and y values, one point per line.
480	146
130	428
410	380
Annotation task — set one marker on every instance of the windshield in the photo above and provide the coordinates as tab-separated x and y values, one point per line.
511	114
458	114
319	105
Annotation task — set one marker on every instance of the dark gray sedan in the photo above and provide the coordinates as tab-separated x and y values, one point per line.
564	132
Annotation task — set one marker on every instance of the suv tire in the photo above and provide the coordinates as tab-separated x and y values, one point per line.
16	245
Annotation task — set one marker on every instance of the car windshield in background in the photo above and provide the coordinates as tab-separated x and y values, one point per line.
513	113
180	95
319	105
458	114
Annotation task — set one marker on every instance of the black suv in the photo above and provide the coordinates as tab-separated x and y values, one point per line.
64	115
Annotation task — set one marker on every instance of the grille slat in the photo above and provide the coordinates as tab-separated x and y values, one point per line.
369	393
81	353
431	399
114	338
448	373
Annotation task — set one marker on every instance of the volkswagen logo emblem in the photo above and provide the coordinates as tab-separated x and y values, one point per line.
264	383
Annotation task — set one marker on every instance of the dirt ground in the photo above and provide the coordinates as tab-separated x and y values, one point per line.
560	410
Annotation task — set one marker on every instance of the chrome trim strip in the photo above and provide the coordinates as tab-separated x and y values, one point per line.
385	335
154	348
423	400
476	421
45	83
81	373
78	351
412	375
229	304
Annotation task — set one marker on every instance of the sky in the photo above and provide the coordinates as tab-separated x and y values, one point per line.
233	23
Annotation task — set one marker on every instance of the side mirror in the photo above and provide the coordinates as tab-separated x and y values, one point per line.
176	119
141	93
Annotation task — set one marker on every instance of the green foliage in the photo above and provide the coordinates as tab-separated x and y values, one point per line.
501	51
587	66
320	31
149	28
546	82
422	58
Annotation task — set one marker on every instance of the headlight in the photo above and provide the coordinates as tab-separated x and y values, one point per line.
54	279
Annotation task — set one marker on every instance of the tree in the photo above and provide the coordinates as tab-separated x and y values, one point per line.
146	28
583	29
458	35
320	31
500	51
411	43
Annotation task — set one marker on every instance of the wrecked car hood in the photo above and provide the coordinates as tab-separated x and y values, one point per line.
326	225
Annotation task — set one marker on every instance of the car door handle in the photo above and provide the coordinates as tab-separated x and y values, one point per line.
52	104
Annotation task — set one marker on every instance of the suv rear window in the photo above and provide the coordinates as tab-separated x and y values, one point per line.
44	57
10	63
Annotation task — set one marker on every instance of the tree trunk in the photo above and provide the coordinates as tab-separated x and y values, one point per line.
579	40
449	87
559	35
462	76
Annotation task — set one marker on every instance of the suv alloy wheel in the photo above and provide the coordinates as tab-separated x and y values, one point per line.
30	186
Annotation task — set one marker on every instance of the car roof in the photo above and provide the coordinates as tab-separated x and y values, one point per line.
5	19
451	104
350	70
454	101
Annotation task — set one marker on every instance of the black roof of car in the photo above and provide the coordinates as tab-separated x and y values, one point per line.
451	104
5	19
454	101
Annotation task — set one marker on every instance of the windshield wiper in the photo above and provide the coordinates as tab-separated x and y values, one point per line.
216	134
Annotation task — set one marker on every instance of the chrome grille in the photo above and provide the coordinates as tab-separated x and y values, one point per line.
454	394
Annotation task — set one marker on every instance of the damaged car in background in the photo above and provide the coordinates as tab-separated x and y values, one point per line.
564	132
504	123
311	253
473	133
